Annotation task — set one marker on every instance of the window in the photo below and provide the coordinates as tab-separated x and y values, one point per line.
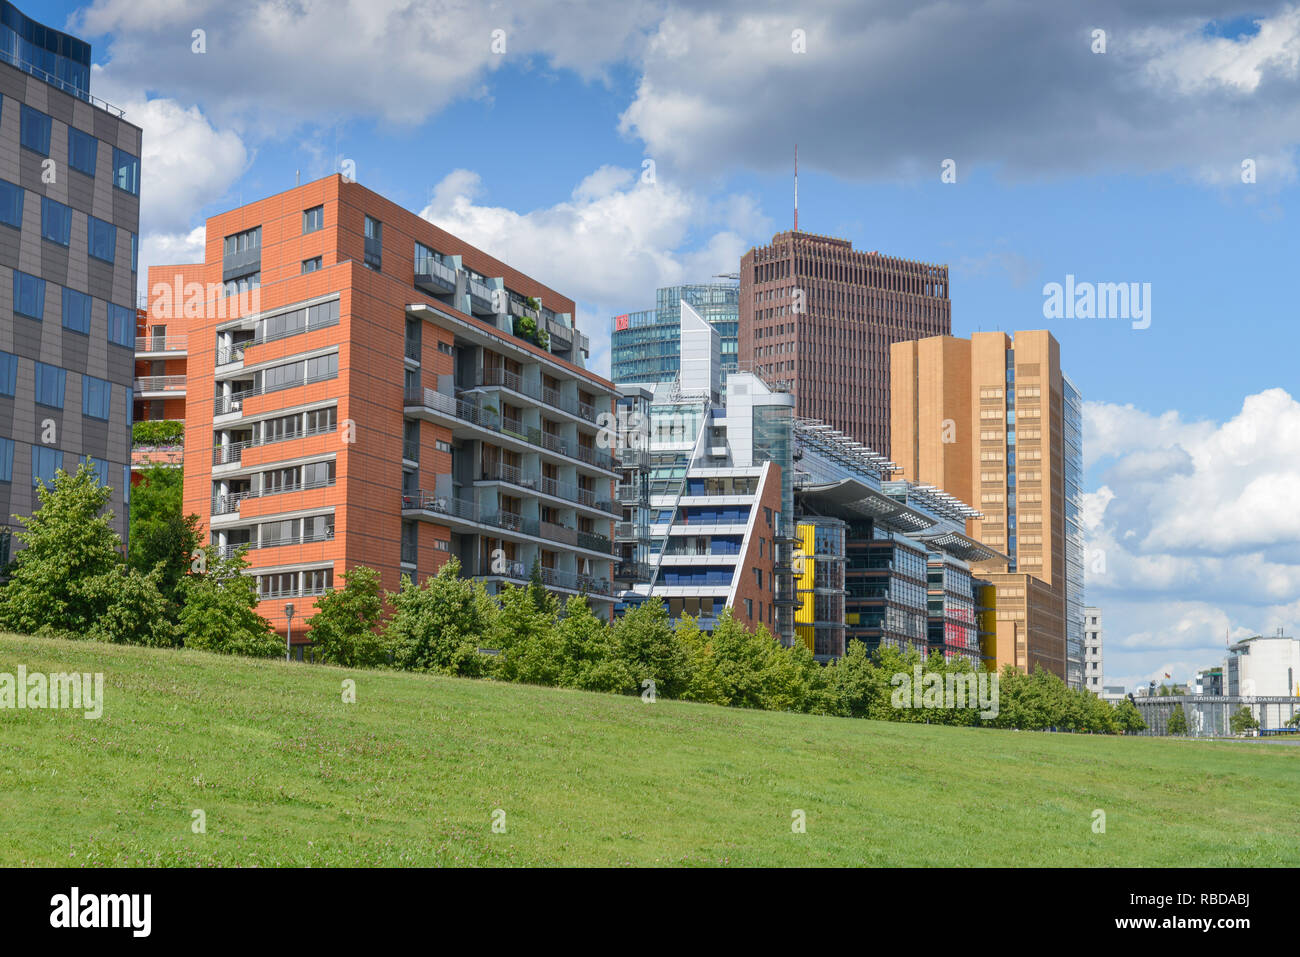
76	311
126	171
121	326
100	467
243	284
11	204
103	239
35	132
29	296
313	219
242	242
82	148
8	373
50	385
56	222
135	251
374	243
323	367
6	460
96	396
45	462
311	265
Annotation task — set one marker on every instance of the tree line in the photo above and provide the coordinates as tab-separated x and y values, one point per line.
71	579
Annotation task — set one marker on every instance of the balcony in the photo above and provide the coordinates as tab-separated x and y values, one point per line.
228	551
160	346
160	386
431	400
480	297
536	482
500	378
467	511
434	276
567	581
630	571
229	504
233	452
628	493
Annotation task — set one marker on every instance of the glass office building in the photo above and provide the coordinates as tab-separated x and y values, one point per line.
60	60
646	345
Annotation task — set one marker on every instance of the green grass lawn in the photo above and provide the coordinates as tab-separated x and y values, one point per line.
288	774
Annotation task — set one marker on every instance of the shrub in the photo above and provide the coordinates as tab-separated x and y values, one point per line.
158	432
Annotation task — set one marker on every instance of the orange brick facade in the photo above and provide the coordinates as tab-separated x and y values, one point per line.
238	447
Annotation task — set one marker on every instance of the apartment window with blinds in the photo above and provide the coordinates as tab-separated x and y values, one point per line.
313	219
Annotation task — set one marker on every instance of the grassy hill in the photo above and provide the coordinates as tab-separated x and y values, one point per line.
288	774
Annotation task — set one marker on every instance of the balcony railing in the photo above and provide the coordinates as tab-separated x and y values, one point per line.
495	422
490	376
517	571
226	504
234	402
229	550
54	81
161	343
632	571
234	451
235	351
432	272
160	383
509	521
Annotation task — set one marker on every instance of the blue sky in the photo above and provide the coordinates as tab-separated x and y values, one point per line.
1114	166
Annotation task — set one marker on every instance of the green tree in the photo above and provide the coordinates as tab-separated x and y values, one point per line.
439	626
648	646
160	534
526	635
1129	718
345	628
588	653
134	609
219	612
1243	720
68	542
1177	721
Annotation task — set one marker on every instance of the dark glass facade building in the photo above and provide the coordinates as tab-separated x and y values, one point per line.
59	59
68	251
646	345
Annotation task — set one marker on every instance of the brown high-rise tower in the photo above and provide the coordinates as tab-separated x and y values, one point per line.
818	317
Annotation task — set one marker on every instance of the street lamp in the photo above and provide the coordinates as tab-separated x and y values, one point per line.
288	641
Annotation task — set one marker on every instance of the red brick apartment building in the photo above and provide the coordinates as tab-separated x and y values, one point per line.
357	394
818	318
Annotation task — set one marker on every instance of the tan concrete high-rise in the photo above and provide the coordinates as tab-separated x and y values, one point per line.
818	317
993	421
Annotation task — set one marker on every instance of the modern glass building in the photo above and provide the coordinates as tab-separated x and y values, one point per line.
646	345
60	60
68	252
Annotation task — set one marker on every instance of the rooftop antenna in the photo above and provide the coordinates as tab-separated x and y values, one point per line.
796	187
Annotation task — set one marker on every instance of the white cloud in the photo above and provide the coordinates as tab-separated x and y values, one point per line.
610	245
1193	62
278	65
187	164
1193	531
